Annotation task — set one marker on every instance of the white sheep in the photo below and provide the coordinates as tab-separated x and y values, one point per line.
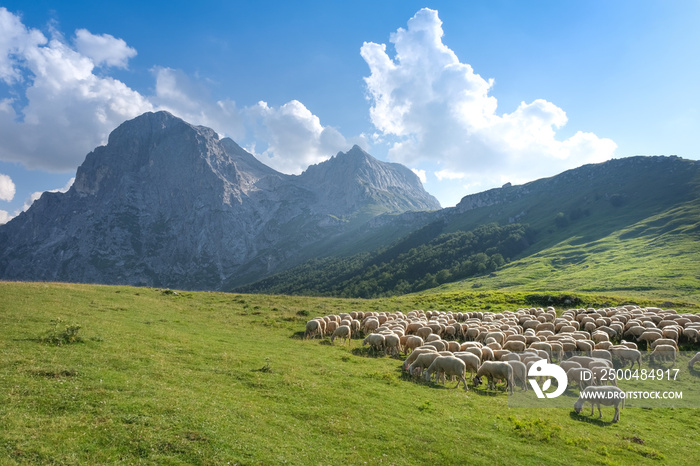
375	340
417	352
664	341
606	395
450	366
412	342
519	373
313	327
627	354
694	359
392	344
471	360
514	345
493	370
664	352
582	376
422	362
343	332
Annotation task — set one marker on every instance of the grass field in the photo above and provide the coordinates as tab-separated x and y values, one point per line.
163	377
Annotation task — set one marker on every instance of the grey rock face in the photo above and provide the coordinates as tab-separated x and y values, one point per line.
166	203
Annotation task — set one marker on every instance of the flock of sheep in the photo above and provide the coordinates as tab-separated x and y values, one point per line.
504	346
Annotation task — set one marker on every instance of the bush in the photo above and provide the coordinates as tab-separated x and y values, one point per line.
57	336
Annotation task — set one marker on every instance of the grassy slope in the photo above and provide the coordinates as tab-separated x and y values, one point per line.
655	258
182	379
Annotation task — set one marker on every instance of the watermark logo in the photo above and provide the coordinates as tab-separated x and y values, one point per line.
543	369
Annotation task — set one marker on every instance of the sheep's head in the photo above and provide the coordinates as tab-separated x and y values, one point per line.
476	380
578	406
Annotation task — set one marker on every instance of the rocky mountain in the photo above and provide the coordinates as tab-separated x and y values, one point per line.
166	203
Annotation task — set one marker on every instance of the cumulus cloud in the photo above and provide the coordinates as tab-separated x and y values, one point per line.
420	174
103	49
288	137
449	175
294	137
432	107
67	109
5	217
7	188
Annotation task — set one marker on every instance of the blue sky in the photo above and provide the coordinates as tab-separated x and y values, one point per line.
469	95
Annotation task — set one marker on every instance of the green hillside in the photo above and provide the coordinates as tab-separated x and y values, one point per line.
630	225
657	258
165	377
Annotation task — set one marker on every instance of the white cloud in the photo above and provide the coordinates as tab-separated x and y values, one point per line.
5	217
7	188
421	175
69	110
103	49
288	138
435	108
294	136
449	175
15	41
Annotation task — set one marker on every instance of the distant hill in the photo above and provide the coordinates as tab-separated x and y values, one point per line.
630	224
169	204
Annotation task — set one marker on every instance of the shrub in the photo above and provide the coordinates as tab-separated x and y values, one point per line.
62	336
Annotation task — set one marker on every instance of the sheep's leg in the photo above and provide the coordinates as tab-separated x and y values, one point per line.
463	380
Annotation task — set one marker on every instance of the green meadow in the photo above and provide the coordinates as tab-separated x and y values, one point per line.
166	377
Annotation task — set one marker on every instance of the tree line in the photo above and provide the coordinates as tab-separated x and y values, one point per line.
421	260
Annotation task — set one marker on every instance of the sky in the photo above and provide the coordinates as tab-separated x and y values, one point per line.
470	95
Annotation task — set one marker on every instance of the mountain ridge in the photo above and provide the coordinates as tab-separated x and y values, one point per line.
167	203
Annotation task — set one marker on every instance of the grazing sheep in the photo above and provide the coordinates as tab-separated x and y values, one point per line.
664	352
370	325
472	361
453	346
313	327
438	344
650	335
582	376
417	352
493	370
423	332
694	359
412	342
422	362
486	354
606	395
602	354
566	365
604	375
514	345
519	373
691	334
343	332
392	344
450	366
629	344
376	342
627	354
664	341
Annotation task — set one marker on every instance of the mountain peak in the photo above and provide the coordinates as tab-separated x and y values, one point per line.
355	178
167	203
